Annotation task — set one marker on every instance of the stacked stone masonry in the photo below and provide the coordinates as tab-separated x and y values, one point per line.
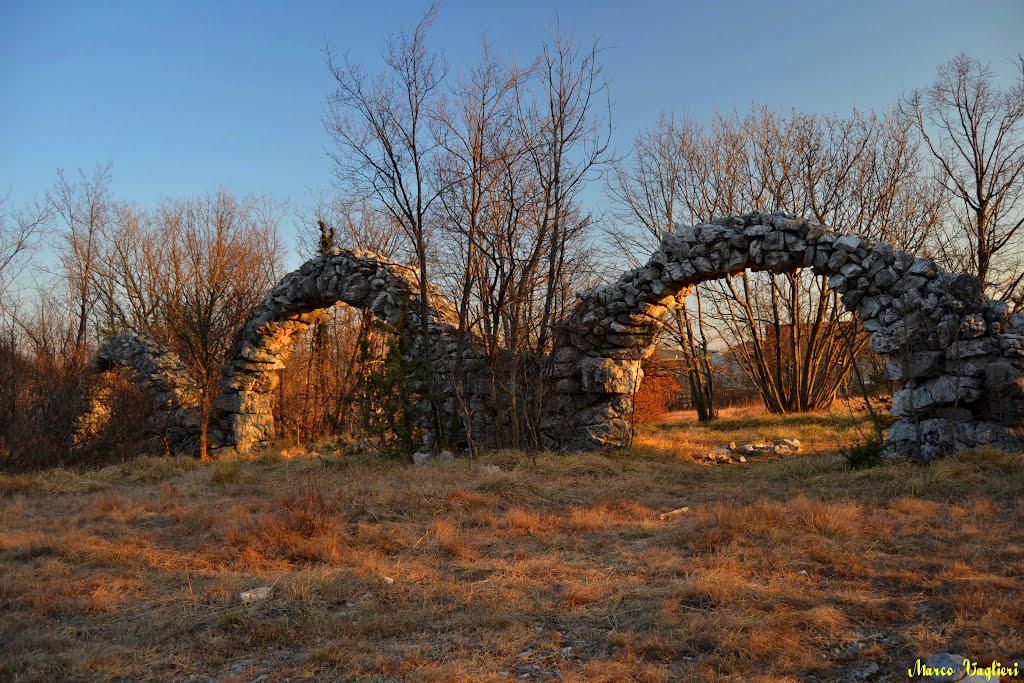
166	381
957	357
356	278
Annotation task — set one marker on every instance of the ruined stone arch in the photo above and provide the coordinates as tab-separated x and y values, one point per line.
359	279
164	379
956	355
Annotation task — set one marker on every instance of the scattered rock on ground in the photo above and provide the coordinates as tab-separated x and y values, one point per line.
863	672
239	667
722	456
255	594
673	513
855	648
777	447
423	457
734	453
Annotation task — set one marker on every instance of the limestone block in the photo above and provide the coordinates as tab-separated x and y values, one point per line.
838	283
610	375
973	347
1011	345
925	267
1003	379
852	298
774	241
886	278
915	365
848	243
940	391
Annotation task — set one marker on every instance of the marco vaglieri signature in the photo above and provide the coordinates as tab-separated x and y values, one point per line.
973	669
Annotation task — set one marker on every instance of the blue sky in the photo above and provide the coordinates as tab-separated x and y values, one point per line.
185	97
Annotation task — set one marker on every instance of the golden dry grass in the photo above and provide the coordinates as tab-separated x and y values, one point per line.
382	571
824	432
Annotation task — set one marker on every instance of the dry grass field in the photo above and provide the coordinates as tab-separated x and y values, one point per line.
795	569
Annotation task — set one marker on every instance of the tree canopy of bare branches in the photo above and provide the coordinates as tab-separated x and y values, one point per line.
385	146
21	231
787	332
188	274
481	172
974	133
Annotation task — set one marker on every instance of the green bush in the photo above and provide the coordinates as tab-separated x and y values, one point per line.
864	454
387	396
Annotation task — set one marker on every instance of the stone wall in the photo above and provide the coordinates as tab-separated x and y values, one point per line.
357	278
172	394
957	356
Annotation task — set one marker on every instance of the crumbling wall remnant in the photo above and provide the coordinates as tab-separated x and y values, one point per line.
173	397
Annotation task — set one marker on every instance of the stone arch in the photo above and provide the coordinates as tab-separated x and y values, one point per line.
163	378
959	357
359	279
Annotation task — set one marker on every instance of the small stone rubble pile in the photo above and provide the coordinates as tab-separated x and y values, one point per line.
734	453
423	457
775	448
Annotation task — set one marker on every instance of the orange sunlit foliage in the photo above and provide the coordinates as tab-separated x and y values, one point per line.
655	397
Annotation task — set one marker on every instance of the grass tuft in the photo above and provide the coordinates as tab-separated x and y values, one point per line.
11	484
224	472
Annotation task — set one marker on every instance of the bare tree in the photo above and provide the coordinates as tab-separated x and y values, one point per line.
569	142
385	147
83	206
221	258
569	133
128	276
20	232
647	191
974	132
189	274
520	144
480	172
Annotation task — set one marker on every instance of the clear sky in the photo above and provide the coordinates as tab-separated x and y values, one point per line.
187	96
